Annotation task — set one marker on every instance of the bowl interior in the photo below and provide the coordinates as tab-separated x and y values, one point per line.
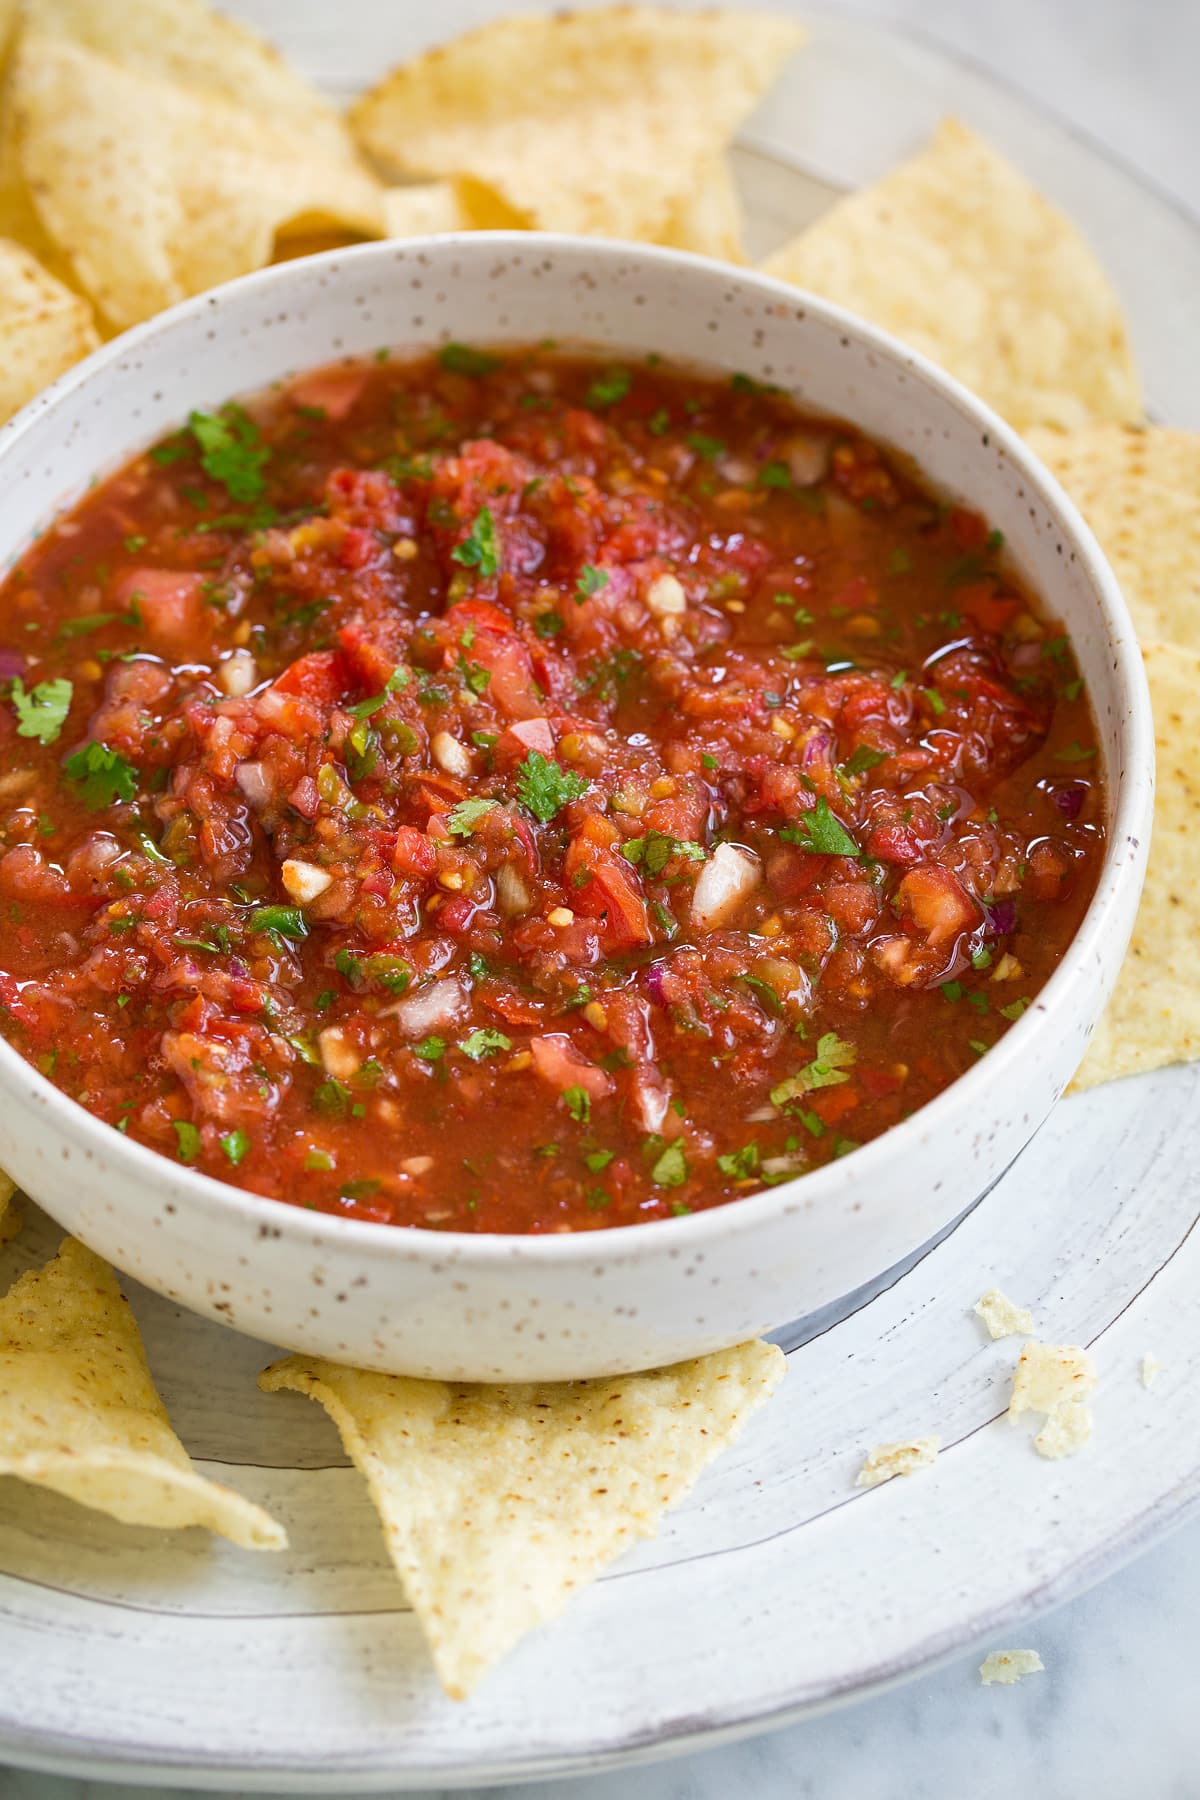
495	288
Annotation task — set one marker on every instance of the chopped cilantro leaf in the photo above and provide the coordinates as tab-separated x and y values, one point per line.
610	387
462	819
1015	1010
187	1140
827	1069
708	448
547	624
481	548
235	1145
741	1164
653	852
775	475
936	703
981	958
230	451
431	1049
821	833
591	581
595	1160
1074	753
578	1103
43	710
953	990
103	775
545	787
671	1167
484	1042
462	359
864	758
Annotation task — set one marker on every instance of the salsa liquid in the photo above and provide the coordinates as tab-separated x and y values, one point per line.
515	793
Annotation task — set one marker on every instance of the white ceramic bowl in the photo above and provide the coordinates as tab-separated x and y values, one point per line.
507	1308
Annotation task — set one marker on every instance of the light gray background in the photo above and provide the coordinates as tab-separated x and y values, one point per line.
1117	1714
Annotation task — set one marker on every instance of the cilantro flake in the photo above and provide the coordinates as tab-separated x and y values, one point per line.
230	451
103	775
462	819
821	833
484	1042
42	711
829	1068
480	549
545	787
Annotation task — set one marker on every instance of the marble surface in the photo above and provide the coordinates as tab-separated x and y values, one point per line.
1114	1715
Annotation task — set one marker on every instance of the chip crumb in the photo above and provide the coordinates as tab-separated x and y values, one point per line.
1002	1316
1067	1429
1006	1667
887	1460
1150	1369
1049	1374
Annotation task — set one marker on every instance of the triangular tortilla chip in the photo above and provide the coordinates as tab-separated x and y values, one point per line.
499	1503
183	42
44	328
10	1215
709	221
1154	1017
958	254
155	193
600	122
79	1412
425	207
1139	490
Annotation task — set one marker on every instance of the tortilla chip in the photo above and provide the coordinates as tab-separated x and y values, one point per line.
1007	1666
1153	1019
155	193
182	42
44	328
956	253
601	122
79	1412
425	207
1002	1316
1048	1376
10	1215
1139	490
709	221
1067	1429
886	1461
499	1503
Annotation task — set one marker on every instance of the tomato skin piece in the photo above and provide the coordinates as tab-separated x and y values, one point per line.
935	902
605	887
334	391
319	676
170	604
558	1062
513	746
413	853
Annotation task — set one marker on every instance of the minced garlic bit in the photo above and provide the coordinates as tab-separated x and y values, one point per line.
1002	1316
303	881
1067	1429
1049	1374
1008	1666
887	1460
1150	1369
665	596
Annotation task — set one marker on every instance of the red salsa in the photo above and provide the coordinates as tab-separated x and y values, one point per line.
523	793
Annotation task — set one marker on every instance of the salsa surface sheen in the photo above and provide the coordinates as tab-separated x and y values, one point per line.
521	793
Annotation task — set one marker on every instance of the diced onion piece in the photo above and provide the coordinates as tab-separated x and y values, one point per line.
429	1008
304	880
338	1055
449	754
650	1103
512	894
251	778
417	1165
807	458
665	596
727	880
237	674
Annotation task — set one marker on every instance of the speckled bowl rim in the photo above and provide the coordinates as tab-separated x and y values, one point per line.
866	1169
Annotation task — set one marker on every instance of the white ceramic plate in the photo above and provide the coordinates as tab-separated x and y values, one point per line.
779	1589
